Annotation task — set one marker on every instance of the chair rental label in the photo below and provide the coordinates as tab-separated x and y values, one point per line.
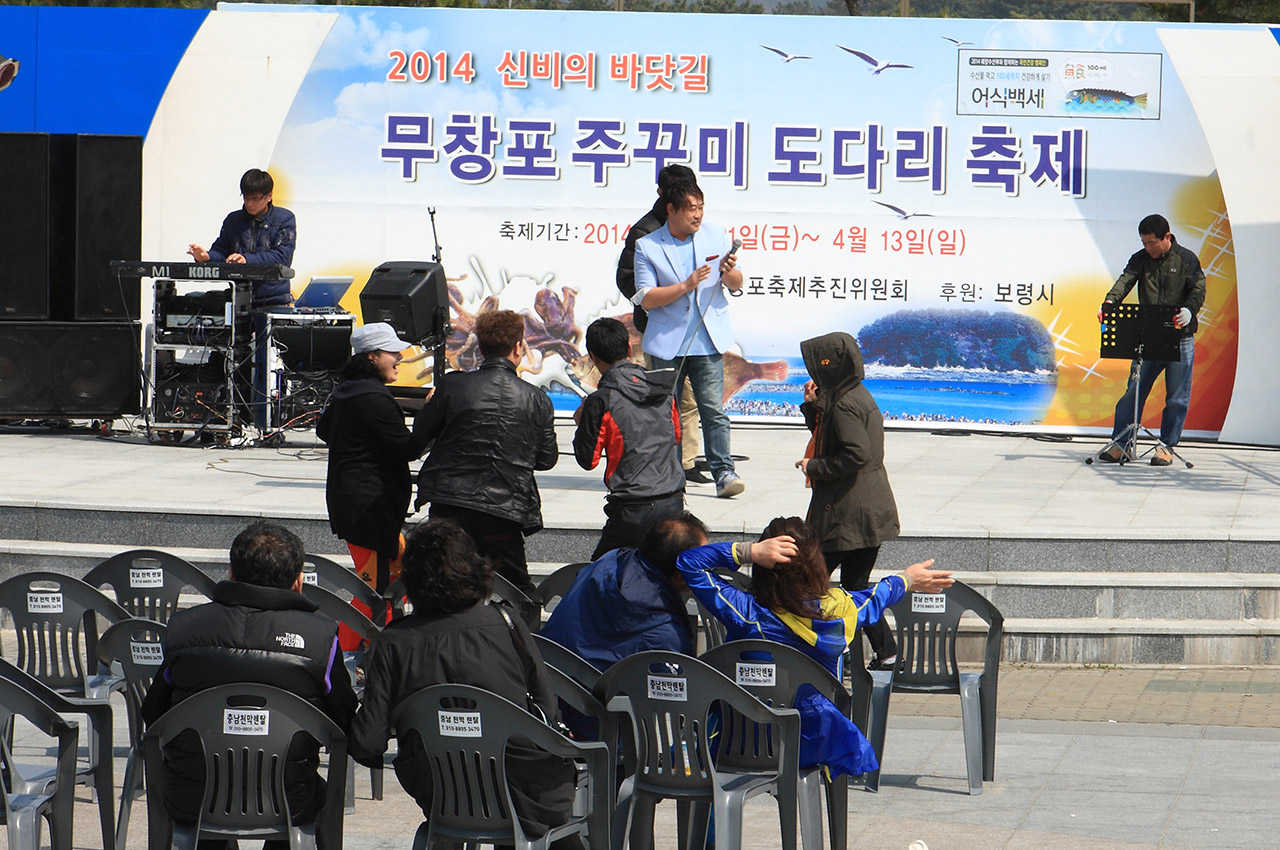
44	603
460	724
146	577
146	652
928	603
668	688
246	721
758	675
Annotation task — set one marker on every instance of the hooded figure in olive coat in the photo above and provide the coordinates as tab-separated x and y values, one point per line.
852	507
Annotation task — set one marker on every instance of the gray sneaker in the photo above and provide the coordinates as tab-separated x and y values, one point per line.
729	485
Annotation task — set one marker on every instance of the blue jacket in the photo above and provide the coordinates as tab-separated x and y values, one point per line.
618	606
827	736
270	239
661	261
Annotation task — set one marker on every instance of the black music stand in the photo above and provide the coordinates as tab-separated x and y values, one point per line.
1136	332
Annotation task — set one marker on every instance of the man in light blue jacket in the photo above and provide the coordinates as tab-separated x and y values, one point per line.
679	271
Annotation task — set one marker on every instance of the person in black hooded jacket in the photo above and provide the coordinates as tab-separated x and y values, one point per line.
852	508
631	419
368	484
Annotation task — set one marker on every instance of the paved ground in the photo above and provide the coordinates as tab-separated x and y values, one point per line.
945	484
1100	758
1103	759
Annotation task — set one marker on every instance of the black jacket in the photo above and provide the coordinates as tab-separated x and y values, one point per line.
852	506
1174	280
476	647
626	278
368	485
491	430
632	419
264	635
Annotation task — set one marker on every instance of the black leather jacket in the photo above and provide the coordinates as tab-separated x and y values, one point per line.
491	430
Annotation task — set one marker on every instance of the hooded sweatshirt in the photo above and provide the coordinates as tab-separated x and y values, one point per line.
631	419
852	506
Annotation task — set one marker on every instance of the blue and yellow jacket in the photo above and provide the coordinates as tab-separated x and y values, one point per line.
828	737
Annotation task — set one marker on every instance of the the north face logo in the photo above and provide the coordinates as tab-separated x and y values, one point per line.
291	641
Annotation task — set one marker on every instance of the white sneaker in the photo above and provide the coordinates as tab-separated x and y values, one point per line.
729	485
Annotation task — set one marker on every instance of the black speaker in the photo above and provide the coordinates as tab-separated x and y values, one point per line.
312	347
108	225
412	297
25	235
62	369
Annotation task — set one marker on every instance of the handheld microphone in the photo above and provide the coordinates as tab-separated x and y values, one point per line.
737	243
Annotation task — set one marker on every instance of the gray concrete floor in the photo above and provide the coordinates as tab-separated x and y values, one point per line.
946	485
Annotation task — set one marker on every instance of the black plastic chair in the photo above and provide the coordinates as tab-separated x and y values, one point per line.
54	800
344	583
773	672
339	611
928	625
97	773
138	647
148	582
571	663
465	732
55	618
555	586
669	699
245	731
528	609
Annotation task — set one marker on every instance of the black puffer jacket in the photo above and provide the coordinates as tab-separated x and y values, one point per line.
368	485
852	506
269	636
491	430
631	419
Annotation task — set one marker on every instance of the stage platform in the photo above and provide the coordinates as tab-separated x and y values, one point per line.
1089	563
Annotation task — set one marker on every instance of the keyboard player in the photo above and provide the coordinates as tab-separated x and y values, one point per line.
258	232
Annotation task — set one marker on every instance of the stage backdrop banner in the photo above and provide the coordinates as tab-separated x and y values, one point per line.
957	194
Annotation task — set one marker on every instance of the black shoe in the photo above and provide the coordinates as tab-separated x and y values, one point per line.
879	663
693	475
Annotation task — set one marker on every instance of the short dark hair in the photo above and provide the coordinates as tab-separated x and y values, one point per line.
667	538
443	573
675	172
796	587
267	555
681	193
256	182
498	331
608	340
1154	225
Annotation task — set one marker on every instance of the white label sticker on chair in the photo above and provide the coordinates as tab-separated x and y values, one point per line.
146	577
246	721
310	577
928	603
44	603
668	687
460	724
757	675
147	652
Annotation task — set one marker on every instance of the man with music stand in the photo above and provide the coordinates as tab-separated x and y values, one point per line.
1169	276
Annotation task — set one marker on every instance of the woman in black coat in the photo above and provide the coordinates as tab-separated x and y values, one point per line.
368	485
852	507
455	636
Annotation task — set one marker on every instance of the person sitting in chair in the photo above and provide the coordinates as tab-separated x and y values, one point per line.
790	602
